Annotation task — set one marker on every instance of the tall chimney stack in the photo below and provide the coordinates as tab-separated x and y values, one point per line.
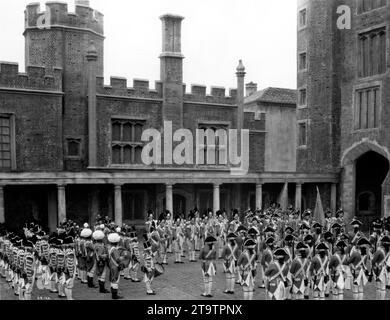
172	70
251	88
240	95
84	3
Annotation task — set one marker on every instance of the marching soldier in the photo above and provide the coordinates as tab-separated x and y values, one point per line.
266	259
148	267
230	253
381	265
337	270
101	259
247	266
70	266
360	267
135	256
299	273
318	271
356	234
114	264
276	275
208	255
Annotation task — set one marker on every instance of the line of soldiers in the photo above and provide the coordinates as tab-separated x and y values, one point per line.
53	262
289	255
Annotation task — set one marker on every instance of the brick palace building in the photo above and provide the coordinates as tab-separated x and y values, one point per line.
71	145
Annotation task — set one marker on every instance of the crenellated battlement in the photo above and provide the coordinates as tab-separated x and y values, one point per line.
217	95
57	14
118	87
35	78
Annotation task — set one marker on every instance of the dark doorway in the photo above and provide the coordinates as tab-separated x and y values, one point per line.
371	171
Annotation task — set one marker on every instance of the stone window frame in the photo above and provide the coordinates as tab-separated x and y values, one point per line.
307	123
12	118
81	149
369	11
386	26
222	124
300	9
362	86
302	106
306	68
111	143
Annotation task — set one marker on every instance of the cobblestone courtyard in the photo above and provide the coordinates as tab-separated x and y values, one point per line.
180	282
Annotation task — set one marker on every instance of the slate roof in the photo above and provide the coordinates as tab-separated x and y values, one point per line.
273	95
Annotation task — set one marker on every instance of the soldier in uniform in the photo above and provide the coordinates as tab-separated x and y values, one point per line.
266	259
381	267
191	234
299	273
70	266
276	276
178	236
289	247
208	255
89	256
360	265
247	264
101	259
135	256
230	253
114	264
337	264
148	267
318	271
356	234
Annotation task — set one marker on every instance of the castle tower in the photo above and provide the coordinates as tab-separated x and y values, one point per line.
58	38
172	70
318	104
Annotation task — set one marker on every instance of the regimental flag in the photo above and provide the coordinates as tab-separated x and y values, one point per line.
319	214
283	197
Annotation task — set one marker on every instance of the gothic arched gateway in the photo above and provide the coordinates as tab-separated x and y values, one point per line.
365	171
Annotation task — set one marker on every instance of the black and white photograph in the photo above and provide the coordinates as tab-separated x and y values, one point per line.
210	151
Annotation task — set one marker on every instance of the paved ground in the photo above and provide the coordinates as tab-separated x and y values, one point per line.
180	282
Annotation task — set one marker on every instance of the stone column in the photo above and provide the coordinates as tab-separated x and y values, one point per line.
118	205
298	196
2	211
259	196
61	201
333	199
169	198
216	198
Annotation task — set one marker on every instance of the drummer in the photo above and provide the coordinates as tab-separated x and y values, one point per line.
148	267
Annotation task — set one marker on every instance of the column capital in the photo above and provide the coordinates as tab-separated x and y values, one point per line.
118	186
217	185
299	183
169	185
61	186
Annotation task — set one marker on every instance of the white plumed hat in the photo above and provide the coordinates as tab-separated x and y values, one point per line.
118	229
114	238
86	225
86	233
98	235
